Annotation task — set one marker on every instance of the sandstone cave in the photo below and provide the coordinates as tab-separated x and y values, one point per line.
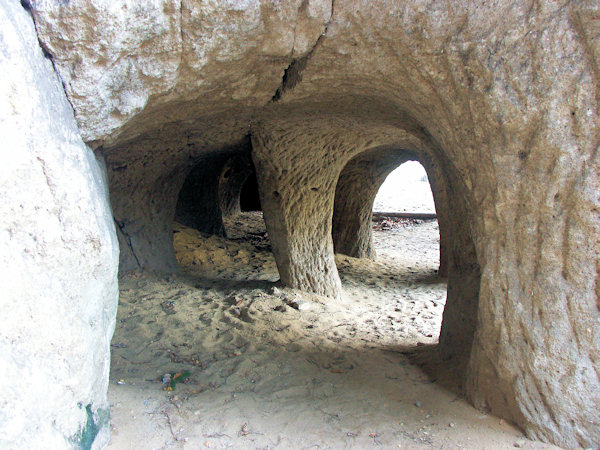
144	145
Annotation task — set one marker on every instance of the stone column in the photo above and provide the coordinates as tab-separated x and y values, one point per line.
439	189
235	172
296	180
536	352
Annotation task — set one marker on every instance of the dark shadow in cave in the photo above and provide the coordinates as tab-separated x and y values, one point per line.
210	229
212	189
249	197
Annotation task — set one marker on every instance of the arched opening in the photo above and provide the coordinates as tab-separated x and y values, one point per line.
405	190
216	221
397	252
249	198
507	129
406	249
357	186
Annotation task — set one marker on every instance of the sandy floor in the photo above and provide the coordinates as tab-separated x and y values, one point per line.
275	368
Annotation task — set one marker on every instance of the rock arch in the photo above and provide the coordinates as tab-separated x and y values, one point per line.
503	97
355	193
212	189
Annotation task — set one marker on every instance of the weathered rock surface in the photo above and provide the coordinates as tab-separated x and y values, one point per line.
234	175
355	193
58	257
135	59
502	98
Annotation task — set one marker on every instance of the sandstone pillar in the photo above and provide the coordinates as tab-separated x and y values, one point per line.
537	346
297	188
235	172
438	182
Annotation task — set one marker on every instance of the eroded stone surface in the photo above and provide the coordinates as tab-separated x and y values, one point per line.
58	256
504	94
234	175
355	193
121	59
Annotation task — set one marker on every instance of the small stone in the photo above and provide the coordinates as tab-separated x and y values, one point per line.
303	306
293	304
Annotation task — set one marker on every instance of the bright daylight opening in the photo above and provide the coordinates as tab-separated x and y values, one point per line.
400	292
406	189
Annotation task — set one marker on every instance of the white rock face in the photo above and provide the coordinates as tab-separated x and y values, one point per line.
58	257
502	98
143	55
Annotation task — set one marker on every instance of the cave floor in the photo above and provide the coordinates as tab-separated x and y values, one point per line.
271	367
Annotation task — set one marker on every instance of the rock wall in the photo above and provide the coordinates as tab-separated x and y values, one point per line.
502	97
58	257
355	193
234	175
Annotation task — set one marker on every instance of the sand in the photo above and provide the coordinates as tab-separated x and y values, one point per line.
277	368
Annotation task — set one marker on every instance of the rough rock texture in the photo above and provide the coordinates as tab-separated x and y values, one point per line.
355	193
297	166
58	257
502	97
234	175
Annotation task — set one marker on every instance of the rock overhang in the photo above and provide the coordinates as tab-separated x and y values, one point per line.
501	98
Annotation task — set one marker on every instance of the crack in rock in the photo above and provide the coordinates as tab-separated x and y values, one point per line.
127	238
293	74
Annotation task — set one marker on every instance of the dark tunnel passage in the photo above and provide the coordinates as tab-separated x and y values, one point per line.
249	197
213	189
